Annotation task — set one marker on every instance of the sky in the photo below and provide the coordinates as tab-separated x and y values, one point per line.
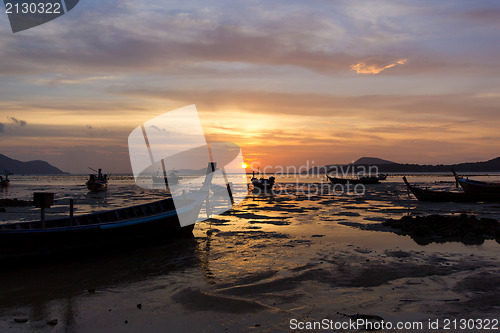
308	82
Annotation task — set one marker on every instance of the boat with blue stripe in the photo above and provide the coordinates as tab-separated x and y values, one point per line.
99	231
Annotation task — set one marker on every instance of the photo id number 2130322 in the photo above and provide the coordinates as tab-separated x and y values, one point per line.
33	8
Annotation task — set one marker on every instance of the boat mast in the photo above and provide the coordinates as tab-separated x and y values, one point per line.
226	180
151	155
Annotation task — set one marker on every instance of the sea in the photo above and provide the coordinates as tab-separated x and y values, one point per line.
306	252
123	192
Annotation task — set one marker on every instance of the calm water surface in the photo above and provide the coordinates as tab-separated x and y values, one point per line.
297	254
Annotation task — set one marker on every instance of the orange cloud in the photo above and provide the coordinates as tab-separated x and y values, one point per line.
365	68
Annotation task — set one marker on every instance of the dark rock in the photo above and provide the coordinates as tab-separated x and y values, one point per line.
21	320
139	306
52	322
443	228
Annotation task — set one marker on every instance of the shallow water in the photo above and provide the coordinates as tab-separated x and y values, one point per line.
296	254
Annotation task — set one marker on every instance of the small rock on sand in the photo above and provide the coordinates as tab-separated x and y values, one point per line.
52	322
21	320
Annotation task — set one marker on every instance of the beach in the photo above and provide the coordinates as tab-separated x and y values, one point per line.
273	263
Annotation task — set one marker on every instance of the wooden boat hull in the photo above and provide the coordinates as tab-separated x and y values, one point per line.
382	177
91	233
437	196
262	186
344	181
480	191
97	186
165	181
107	230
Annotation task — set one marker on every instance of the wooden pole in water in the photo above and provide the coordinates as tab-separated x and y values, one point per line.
229	191
164	172
42	218
71	206
43	200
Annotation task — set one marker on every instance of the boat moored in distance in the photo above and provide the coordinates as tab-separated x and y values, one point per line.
437	196
220	190
97	182
262	184
366	180
171	179
4	180
480	191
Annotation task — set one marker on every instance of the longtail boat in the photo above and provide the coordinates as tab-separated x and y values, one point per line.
171	179
480	191
99	231
437	196
382	176
361	180
4	182
97	182
262	184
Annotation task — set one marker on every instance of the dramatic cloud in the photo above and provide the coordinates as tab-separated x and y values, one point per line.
327	38
404	107
283	79
368	68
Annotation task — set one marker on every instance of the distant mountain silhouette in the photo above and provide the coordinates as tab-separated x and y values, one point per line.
31	167
372	161
388	166
487	166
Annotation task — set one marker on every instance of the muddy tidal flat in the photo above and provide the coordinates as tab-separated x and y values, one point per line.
271	264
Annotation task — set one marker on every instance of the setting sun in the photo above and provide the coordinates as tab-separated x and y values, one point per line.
244	165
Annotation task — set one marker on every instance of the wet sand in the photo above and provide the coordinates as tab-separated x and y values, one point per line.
269	260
